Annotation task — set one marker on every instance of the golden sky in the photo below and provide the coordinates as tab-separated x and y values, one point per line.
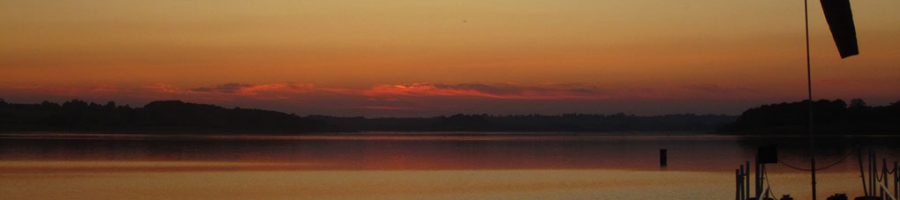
413	57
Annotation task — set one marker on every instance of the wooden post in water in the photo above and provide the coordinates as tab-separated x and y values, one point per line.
741	182
743	176
747	180
738	181
663	158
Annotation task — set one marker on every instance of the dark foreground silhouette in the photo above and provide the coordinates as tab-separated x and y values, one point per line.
77	115
830	117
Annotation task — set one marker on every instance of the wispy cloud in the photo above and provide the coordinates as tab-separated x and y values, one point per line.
497	91
257	89
224	88
718	89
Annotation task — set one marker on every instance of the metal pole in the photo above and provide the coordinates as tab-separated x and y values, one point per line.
812	143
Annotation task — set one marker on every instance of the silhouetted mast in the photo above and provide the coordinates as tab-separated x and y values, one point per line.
840	21
809	102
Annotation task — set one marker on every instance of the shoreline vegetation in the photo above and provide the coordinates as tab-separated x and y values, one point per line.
830	117
175	117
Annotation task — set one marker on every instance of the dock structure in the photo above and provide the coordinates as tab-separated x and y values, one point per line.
882	184
879	182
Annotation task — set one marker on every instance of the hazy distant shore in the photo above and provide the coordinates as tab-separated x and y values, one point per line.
176	117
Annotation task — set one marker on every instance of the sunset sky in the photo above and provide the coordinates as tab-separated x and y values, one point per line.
423	58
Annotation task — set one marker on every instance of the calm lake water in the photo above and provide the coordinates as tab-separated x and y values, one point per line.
413	166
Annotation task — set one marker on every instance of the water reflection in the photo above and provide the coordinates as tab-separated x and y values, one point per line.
391	151
407	166
404	151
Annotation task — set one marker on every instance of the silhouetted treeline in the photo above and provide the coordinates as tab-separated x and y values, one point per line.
77	115
565	122
829	117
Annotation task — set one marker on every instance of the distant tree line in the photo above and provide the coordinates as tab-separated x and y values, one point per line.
566	122
78	115
829	117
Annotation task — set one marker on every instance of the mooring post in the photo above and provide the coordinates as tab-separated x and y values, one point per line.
747	180
738	181
663	158
756	182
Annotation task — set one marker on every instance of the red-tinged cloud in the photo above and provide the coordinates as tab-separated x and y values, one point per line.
261	91
499	91
257	89
388	108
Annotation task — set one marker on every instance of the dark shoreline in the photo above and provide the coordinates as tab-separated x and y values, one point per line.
835	118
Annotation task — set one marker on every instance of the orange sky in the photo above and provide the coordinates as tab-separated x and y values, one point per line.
410	57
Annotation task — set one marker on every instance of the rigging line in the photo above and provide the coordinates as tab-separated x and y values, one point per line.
884	174
844	158
891	171
766	175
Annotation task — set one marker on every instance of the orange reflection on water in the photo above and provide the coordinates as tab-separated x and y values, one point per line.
378	184
10	167
395	166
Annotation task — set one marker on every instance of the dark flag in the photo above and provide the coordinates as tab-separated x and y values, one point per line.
840	20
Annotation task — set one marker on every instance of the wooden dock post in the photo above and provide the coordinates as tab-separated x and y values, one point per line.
743	192
663	158
737	177
757	188
742	180
747	180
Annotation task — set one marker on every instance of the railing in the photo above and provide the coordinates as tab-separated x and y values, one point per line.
877	184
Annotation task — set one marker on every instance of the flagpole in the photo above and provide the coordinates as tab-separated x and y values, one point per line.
812	143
